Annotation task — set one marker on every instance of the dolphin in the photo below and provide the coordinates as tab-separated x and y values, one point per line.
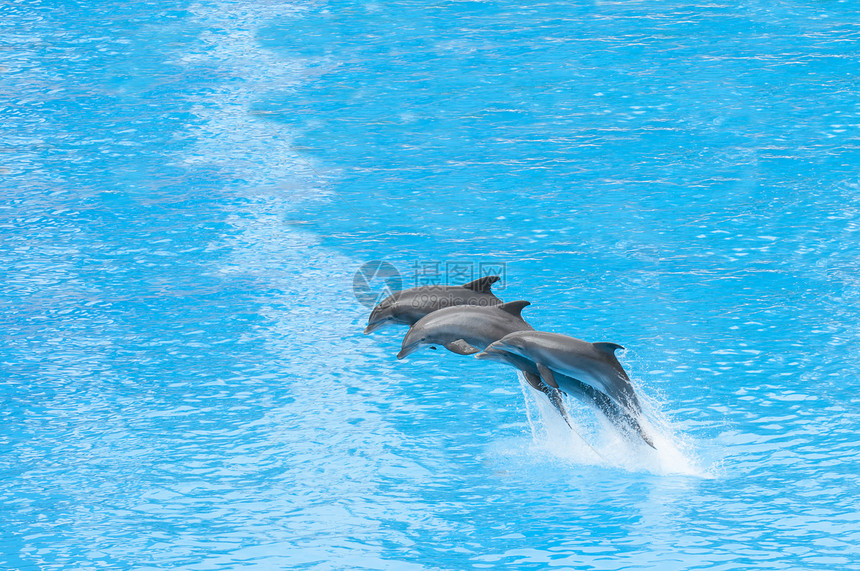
576	389
466	330
406	307
587	371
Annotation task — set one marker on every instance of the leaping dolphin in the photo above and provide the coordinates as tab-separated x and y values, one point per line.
588	371
408	306
576	389
466	330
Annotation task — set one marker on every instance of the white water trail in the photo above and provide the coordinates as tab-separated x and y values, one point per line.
593	440
548	427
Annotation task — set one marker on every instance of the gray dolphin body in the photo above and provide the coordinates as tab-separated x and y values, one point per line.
587	371
408	306
469	329
465	329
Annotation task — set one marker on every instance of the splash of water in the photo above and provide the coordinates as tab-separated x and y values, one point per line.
594	440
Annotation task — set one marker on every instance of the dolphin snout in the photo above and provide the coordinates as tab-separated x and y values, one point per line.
496	351
408	350
373	326
410	345
404	353
491	354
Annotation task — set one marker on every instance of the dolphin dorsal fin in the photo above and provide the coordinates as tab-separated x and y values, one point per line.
482	285
514	307
608	348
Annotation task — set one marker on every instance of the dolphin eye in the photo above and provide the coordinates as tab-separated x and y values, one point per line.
433	347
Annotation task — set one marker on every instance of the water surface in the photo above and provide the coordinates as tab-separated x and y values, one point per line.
189	189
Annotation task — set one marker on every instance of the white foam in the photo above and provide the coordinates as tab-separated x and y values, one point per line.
594	440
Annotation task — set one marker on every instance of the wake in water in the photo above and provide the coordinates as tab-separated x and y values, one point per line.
591	439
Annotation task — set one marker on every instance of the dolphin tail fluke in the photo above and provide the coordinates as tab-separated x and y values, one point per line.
638	428
620	416
632	422
556	400
647	440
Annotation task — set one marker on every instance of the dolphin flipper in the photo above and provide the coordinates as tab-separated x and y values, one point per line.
460	347
546	375
534	381
554	395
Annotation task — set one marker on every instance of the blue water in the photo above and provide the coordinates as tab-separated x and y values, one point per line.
189	189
